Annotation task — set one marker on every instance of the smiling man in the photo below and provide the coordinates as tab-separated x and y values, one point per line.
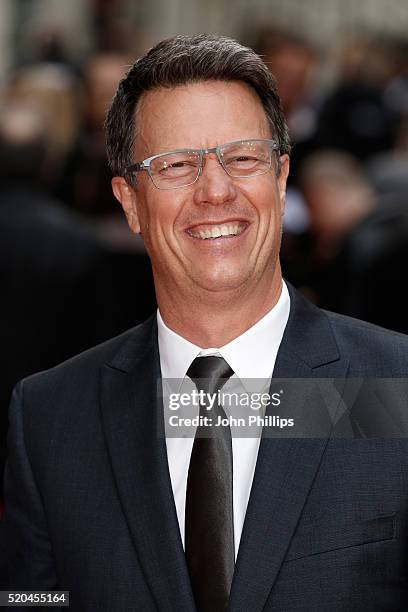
211	219
98	501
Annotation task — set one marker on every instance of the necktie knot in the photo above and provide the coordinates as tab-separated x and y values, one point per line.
209	373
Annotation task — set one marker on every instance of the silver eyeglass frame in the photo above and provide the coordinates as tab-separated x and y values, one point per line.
145	164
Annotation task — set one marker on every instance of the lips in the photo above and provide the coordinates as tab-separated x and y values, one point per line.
222	230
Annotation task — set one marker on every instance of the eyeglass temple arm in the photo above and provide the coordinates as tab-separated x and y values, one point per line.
136	167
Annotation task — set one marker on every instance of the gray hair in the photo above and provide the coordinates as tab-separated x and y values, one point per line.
179	61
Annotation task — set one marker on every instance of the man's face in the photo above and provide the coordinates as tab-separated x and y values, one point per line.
174	223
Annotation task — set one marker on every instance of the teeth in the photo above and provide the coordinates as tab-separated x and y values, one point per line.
217	231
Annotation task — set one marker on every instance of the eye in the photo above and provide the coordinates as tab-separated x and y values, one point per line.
241	161
179	164
174	166
177	167
244	158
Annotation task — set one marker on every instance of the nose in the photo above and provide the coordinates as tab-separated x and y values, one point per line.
214	186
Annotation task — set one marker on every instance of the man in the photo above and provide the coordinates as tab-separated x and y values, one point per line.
97	501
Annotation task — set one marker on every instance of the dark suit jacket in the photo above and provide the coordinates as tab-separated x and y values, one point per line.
89	504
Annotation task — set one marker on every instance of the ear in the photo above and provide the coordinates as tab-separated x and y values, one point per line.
282	179
126	195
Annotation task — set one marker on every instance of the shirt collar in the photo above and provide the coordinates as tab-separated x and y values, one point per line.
250	355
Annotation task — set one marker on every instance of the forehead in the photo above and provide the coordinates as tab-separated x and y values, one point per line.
200	114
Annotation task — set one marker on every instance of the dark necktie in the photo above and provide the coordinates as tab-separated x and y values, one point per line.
209	520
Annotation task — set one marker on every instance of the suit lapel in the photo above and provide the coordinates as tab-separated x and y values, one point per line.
133	424
285	468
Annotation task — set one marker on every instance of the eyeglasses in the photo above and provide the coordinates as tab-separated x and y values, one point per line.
180	168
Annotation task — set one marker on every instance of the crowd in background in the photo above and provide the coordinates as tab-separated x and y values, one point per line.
73	275
346	230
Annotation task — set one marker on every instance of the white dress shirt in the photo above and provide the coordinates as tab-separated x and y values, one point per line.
251	355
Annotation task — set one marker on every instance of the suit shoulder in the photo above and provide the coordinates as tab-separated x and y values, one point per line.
359	327
85	366
369	346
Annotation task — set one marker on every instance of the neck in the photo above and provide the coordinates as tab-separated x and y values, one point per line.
213	319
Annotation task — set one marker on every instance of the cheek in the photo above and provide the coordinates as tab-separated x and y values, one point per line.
160	223
271	225
150	209
269	208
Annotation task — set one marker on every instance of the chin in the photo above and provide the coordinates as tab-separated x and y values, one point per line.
221	282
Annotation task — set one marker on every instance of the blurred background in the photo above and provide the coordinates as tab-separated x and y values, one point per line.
72	274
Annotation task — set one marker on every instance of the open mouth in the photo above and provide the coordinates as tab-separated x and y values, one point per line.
211	232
